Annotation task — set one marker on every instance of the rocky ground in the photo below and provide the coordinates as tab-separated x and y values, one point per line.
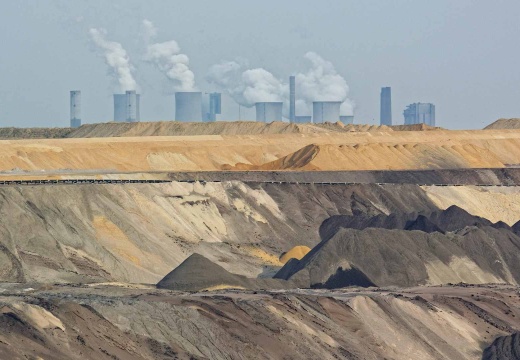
140	322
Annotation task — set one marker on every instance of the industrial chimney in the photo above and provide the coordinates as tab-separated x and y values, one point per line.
386	106
75	108
188	106
323	111
269	111
292	98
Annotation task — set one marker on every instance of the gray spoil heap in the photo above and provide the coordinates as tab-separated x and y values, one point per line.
198	273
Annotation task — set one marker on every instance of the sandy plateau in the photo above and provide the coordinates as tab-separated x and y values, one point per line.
260	241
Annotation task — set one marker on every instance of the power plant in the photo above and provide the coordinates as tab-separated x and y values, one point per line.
323	111
386	106
269	111
188	106
419	113
195	106
126	107
75	108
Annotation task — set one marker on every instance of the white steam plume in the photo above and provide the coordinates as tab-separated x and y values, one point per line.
116	58
166	57
320	82
246	87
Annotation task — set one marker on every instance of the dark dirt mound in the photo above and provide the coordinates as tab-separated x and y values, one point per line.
516	228
503	348
198	273
383	257
451	219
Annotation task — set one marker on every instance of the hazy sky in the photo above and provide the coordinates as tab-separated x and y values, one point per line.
463	56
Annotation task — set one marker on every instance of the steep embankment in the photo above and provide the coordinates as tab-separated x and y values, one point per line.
140	232
384	156
513	123
123	323
325	151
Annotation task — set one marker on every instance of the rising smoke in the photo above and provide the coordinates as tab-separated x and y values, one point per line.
167	57
116	58
320	82
246	87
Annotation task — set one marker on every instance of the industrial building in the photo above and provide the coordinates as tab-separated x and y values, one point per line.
214	107
188	106
386	106
126	107
292	98
269	111
419	113
347	119
75	108
323	111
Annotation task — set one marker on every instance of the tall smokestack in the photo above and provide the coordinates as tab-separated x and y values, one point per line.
292	98
75	108
386	106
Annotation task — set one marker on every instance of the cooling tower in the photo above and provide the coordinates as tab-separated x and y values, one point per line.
347	120
323	111
131	106
188	106
269	111
126	107
303	119
75	108
119	107
292	98
386	106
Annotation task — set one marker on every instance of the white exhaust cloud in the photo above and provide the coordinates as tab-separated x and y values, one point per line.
320	82
116	58
168	59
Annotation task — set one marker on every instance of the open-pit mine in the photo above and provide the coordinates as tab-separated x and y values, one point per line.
247	240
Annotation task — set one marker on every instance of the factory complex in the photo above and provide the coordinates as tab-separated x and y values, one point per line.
196	106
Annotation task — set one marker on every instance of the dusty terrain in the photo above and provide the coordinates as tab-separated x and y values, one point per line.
184	268
173	128
124	322
140	232
504	124
378	150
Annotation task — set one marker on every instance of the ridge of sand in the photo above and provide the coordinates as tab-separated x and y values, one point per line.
377	150
513	123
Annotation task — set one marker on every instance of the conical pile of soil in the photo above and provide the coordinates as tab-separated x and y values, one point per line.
198	273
